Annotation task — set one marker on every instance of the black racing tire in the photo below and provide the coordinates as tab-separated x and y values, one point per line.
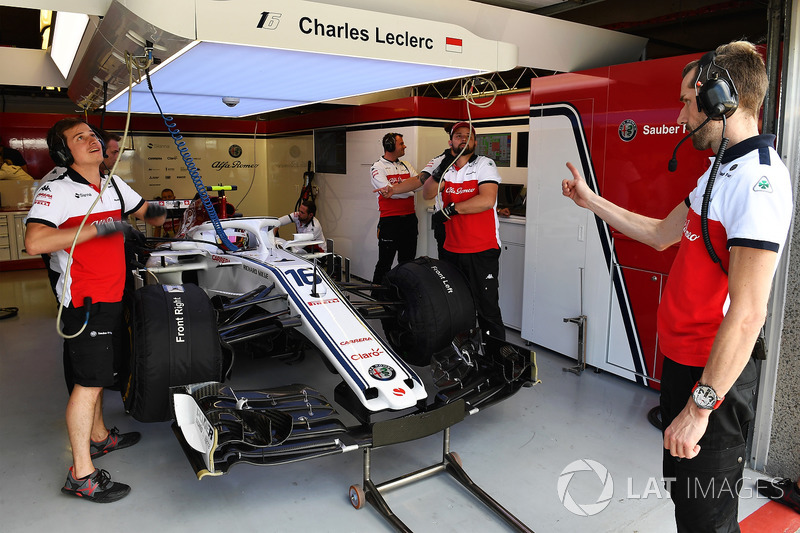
175	342
437	305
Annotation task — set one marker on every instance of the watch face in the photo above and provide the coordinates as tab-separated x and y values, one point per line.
705	397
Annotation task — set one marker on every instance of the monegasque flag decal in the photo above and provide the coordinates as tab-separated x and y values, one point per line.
452	44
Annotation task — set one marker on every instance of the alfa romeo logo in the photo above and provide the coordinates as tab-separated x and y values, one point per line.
381	372
585	509
627	130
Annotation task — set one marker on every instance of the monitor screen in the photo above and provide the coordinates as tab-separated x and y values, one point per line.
508	194
496	146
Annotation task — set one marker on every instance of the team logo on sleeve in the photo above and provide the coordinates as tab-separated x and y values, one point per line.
762	185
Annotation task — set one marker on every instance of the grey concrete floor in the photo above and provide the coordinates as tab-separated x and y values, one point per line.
520	451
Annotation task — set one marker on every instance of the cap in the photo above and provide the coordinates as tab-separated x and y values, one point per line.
462	124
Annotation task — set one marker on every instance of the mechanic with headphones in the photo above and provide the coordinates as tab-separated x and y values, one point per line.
90	291
715	300
397	226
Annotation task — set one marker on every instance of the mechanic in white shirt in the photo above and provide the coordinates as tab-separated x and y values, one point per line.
305	222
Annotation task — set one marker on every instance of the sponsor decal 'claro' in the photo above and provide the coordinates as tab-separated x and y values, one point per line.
372	353
310	26
177	315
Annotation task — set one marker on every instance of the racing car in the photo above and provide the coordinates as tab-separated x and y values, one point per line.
200	305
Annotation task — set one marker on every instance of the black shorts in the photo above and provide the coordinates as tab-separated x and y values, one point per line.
92	352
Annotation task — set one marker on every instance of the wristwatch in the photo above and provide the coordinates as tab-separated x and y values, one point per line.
705	397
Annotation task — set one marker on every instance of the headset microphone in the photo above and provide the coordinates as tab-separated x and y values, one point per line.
673	163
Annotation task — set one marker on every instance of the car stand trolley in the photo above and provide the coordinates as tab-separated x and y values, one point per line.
414	427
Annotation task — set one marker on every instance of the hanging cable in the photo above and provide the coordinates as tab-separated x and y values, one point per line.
712	176
89	212
467	89
177	138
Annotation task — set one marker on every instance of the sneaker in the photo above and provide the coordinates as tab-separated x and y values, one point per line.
781	490
96	487
114	441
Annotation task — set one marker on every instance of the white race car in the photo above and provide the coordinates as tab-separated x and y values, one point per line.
198	304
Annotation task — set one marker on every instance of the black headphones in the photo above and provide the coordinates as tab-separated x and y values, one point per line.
61	154
716	92
390	141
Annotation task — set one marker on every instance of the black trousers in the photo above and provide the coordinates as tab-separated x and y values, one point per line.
481	270
396	236
705	490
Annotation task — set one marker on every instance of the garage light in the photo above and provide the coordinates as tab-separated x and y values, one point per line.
272	54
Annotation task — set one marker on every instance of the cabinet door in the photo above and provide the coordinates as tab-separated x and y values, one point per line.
19	233
644	294
512	264
5	239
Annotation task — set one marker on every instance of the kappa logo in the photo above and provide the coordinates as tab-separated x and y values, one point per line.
762	185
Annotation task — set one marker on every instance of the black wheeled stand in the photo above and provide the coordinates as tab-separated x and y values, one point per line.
411	428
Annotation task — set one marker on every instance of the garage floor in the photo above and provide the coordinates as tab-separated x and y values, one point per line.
516	451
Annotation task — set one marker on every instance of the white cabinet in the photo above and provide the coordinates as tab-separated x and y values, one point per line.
512	270
5	239
12	236
19	235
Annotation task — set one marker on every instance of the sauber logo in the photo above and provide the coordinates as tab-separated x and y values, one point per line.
374	353
354	341
399	392
82	195
323	302
688	234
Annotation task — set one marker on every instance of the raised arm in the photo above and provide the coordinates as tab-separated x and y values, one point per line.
657	233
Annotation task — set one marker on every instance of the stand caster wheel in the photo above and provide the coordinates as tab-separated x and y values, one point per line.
357	497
